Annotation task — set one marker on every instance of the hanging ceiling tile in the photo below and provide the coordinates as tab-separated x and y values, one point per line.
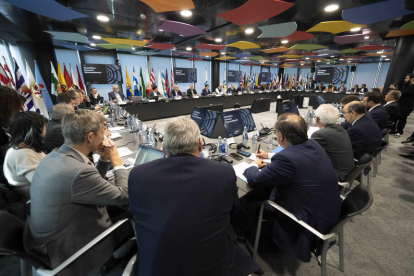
160	46
396	33
180	28
114	46
78	47
166	6
334	27
123	41
278	30
208	54
210	46
346	39
244	45
68	36
275	50
225	58
372	48
309	47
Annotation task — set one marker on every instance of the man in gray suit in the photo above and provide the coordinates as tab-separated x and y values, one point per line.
69	195
334	140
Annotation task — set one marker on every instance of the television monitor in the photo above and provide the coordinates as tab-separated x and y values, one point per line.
205	119
102	73
289	106
147	154
236	120
320	100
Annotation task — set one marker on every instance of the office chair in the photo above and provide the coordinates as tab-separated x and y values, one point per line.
356	202
363	162
377	156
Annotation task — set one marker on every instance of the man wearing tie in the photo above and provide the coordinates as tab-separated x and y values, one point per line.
175	92
116	95
206	91
191	91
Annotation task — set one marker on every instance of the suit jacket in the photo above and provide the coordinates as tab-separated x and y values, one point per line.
175	93
320	89
379	116
239	89
336	143
205	92
311	85
305	184
54	137
345	124
343	89
95	100
232	91
188	233
393	110
353	90
68	209
365	136
363	90
152	94
112	95
190	93
85	104
406	101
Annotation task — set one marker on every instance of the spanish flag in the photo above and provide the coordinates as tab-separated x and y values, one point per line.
61	79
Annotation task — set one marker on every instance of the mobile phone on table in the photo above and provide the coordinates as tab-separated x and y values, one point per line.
244	153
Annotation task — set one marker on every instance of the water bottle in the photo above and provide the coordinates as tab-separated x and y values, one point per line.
112	115
219	146
312	119
224	148
254	140
307	117
129	121
245	137
151	137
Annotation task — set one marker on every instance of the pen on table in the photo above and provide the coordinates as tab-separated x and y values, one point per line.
258	149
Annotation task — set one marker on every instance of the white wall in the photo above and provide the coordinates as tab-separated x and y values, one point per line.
202	66
69	57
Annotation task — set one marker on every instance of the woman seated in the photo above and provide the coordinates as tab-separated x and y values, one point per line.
25	150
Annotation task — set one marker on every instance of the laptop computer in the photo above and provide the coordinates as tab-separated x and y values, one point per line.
154	98
135	98
147	154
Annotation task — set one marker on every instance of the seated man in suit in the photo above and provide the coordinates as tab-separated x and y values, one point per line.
175	92
364	88
206	91
364	133
232	90
219	90
379	115
392	106
54	137
70	98
334	140
311	84
334	88
193	226
86	102
154	92
94	97
302	180
116	95
355	89
320	87
241	88
342	88
191	91
69	196
344	101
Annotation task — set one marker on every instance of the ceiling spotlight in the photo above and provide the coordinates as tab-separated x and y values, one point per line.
332	56
249	31
331	8
285	41
96	37
218	40
387	59
366	37
143	16
341	59
186	13
92	44
348	61
133	48
357	29
380	52
188	48
223	53
306	58
161	30
103	18
383	56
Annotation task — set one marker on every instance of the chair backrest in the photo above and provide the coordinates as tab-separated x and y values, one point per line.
356	202
363	162
383	145
11	234
385	131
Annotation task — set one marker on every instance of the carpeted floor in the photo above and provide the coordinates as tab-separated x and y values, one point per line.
380	242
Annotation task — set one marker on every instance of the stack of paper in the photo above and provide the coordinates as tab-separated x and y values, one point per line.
124	151
239	170
253	157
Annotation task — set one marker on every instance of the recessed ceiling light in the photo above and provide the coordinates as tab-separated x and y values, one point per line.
161	30
383	56
103	18
188	48
331	8
380	52
96	37
92	44
285	41
218	40
332	56
357	29
143	16
186	13
366	37
133	48
306	58
249	31
341	59
223	53
387	59
348	61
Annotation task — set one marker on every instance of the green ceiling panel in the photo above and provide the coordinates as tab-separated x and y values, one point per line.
308	47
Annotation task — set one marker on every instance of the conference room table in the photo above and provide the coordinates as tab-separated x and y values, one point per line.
157	110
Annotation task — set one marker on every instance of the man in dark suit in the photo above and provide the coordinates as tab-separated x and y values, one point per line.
70	98
175	92
85	101
311	84
342	88
191	91
188	233
232	90
334	140
406	103
241	88
320	87
154	92
116	95
364	88
379	115
206	91
302	180
344	101
392	106
54	137
95	98
364	133
355	89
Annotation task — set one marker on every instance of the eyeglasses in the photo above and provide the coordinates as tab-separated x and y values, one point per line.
345	112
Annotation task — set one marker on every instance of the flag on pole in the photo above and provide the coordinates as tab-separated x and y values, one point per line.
294	80
224	82
147	81
160	84
74	81
164	88
172	78
80	79
39	105
9	74
128	84
61	79
247	81
242	79
69	83
206	82
144	95
43	89
55	86
4	80
23	89
135	82
152	79
167	85
290	81
257	80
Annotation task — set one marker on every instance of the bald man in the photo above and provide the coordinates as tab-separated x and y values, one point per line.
116	95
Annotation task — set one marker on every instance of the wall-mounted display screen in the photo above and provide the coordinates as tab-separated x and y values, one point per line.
102	73
234	76
185	75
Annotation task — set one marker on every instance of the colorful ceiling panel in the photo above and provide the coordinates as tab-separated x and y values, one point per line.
68	36
160	46
346	39
180	28
349	51
289	56
210	46
208	54
256	58
408	26
114	46
396	33
298	36
244	45
334	27
275	50
195	59
166	6
178	53
78	47
123	41
278	30
308	47
310	54
379	54
225	58
372	48
254	11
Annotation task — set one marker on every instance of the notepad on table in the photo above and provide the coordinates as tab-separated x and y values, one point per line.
253	157
239	170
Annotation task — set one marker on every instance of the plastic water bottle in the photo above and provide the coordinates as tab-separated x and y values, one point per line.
311	118
112	115
254	140
224	148
219	146
307	117
245	137
151	137
129	121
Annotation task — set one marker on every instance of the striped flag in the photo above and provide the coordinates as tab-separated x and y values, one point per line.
224	82
43	89
160	84
4	80
135	83
167	85
39	104
23	89
55	85
68	80
9	74
141	77
80	79
242	79
206	82
74	80
164	87
172	79
152	79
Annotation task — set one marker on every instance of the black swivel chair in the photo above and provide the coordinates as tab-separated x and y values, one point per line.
11	243
363	162
356	202
377	156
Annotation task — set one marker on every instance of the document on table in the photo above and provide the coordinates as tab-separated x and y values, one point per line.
115	128
124	151
239	170
115	135
253	157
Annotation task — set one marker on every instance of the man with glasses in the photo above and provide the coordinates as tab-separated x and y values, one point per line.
116	95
